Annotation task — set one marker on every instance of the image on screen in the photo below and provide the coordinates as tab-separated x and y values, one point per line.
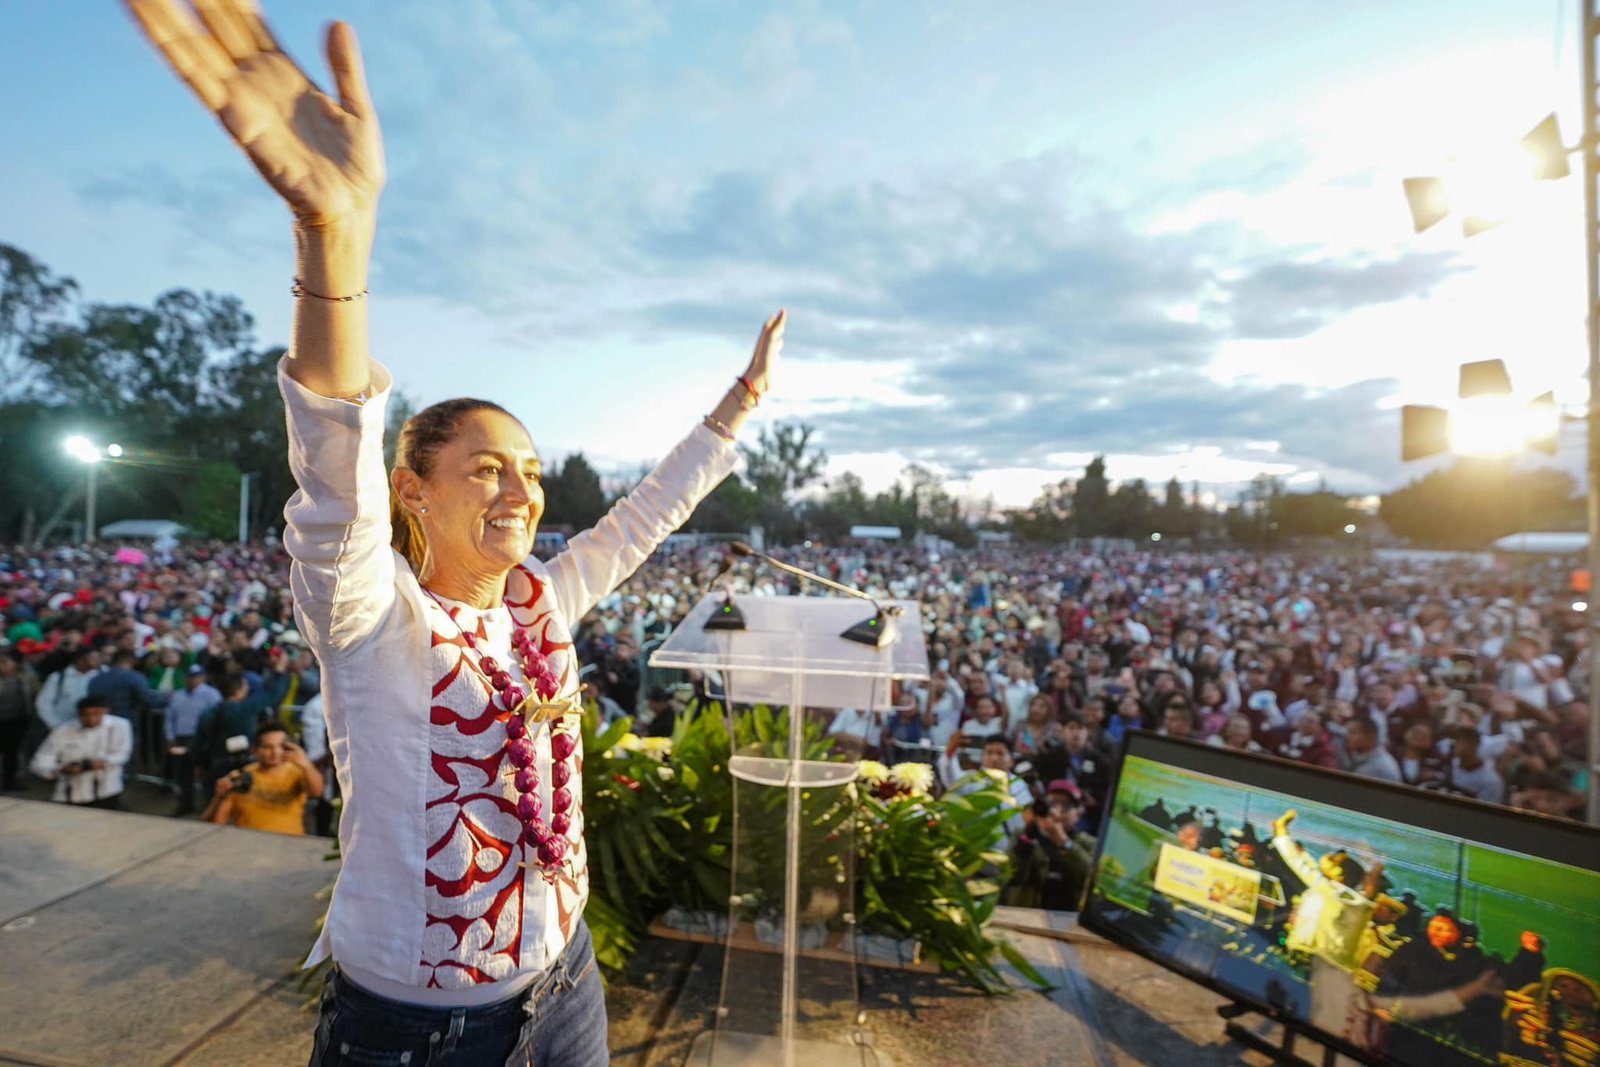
1402	944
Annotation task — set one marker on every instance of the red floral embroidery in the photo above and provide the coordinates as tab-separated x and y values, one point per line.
474	885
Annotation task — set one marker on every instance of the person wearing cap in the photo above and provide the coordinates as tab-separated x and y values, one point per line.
1053	858
182	722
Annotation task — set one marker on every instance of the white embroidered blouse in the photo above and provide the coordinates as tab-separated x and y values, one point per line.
431	897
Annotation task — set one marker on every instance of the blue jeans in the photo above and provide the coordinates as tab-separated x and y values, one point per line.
559	1021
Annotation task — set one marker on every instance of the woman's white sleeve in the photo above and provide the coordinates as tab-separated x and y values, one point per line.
598	560
337	532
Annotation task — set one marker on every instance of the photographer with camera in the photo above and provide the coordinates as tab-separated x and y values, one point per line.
85	757
270	793
222	736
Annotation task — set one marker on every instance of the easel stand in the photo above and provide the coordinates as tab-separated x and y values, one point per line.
1283	1052
793	885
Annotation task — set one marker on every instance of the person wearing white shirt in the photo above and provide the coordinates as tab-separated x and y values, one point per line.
945	701
997	757
1469	772
1016	690
85	757
855	728
57	702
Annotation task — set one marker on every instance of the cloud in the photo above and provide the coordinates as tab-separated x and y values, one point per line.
1289	299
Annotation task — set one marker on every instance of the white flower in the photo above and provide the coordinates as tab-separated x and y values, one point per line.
871	771
664	773
916	777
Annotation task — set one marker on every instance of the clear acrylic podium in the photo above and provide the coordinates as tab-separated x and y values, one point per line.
789	994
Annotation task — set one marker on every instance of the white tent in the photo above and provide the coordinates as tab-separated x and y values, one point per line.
1543	544
875	533
143	529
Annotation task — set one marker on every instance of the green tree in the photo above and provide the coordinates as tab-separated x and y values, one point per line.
1474	502
731	507
133	364
32	300
1091	499
211	500
1130	512
1049	518
783	462
573	494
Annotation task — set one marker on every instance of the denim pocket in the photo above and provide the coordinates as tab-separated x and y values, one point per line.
351	1054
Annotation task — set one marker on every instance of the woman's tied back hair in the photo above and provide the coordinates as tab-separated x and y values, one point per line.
420	440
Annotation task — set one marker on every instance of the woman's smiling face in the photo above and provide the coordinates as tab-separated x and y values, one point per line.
483	496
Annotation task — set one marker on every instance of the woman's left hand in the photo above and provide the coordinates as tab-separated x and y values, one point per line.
769	346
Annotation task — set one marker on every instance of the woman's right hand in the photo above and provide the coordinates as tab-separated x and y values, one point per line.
324	157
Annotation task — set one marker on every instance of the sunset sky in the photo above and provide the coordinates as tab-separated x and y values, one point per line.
1009	236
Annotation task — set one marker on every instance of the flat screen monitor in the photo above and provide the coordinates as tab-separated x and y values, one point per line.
1395	925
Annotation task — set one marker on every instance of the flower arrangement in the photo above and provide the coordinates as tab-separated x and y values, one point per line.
659	822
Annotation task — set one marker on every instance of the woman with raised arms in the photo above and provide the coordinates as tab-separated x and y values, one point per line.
456	927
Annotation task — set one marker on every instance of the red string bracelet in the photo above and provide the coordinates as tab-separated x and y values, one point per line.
755	395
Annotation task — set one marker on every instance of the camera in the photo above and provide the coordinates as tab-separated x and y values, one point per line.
75	767
243	781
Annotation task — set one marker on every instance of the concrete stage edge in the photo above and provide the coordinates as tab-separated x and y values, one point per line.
139	940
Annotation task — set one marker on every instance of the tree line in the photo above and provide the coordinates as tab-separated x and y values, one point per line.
191	396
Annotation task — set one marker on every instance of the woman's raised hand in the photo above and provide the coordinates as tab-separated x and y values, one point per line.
769	346
323	156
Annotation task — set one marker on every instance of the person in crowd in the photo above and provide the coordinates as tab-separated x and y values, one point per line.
314	736
127	693
185	709
222	736
1177	717
19	688
986	720
57	702
85	757
856	732
661	713
998	761
1468	772
1236	734
1053	857
594	696
1307	741
1037	730
1418	756
1365	755
270	793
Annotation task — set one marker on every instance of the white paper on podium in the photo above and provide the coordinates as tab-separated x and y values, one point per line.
787	635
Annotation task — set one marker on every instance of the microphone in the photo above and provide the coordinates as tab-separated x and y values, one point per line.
880	631
728	616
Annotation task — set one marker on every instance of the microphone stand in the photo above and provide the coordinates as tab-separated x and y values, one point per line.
880	631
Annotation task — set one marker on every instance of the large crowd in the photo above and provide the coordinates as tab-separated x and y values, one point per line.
1441	675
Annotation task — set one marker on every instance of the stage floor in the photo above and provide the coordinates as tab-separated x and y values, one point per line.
142	940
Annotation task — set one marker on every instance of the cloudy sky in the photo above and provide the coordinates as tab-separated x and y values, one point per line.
1009	235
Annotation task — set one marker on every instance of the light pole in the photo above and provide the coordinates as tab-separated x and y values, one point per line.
1591	220
89	454
244	505
1429	206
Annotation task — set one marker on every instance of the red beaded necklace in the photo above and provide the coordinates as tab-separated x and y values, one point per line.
546	841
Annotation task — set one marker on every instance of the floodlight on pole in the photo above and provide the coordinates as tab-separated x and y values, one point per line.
1421	427
89	454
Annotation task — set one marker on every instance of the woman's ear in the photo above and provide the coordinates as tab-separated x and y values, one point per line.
408	487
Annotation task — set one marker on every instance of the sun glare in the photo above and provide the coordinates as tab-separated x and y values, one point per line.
1498	425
